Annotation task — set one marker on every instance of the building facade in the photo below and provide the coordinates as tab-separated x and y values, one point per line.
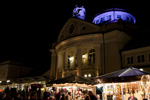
139	57
10	70
92	49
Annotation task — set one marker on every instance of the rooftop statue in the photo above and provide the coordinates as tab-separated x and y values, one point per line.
79	12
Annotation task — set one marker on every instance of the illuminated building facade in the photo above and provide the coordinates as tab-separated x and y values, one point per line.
91	49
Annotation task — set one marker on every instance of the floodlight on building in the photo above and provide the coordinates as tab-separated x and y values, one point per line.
85	75
84	56
0	81
89	75
71	59
8	81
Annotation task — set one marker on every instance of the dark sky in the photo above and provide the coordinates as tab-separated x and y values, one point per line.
29	28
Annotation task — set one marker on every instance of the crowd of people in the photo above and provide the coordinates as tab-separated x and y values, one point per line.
62	95
47	96
68	96
4	96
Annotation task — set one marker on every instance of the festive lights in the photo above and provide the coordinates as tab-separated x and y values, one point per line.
145	81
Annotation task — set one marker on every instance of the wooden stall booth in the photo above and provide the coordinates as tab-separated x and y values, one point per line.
119	84
75	85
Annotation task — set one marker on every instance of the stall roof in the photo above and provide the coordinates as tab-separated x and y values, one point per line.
73	79
30	79
131	71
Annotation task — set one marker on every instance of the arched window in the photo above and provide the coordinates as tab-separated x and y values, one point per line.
91	57
68	61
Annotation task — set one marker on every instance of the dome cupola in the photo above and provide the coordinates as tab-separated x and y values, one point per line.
113	15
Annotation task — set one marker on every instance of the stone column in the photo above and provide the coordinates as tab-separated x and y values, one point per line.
79	60
98	62
57	66
63	64
53	64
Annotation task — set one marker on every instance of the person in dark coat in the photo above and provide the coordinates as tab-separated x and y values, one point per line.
132	97
63	97
45	95
58	96
92	96
33	96
3	96
17	97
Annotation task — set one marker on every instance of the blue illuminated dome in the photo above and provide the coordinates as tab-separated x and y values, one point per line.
113	15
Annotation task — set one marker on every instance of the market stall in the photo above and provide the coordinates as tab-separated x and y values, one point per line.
73	84
119	84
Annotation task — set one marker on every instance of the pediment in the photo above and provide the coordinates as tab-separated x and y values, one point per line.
75	27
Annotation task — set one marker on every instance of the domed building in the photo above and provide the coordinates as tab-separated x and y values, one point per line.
91	49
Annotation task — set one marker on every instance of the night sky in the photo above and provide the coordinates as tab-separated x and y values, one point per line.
29	28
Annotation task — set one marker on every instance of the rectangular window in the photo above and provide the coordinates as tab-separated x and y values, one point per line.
118	16
97	21
140	58
102	19
108	17
127	19
130	60
132	21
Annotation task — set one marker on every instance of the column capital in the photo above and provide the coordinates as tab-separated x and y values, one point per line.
62	51
52	50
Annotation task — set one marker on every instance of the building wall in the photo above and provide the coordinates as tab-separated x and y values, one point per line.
15	71
3	72
114	42
11	70
128	55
